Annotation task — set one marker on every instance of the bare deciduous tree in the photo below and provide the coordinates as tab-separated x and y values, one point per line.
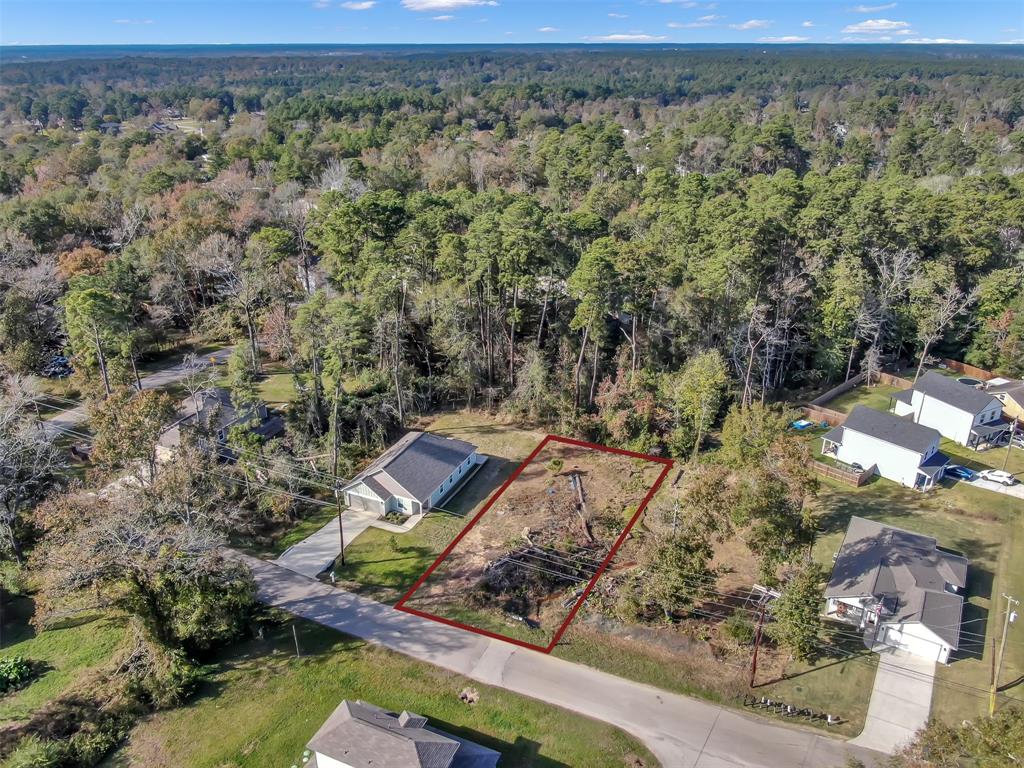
30	463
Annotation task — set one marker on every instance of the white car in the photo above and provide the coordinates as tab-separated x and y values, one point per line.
997	476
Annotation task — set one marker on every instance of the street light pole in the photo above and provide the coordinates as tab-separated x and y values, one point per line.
1010	616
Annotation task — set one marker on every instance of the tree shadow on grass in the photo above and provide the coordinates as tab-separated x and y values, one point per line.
841	507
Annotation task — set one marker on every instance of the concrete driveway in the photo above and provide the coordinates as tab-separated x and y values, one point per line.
991	485
314	554
901	700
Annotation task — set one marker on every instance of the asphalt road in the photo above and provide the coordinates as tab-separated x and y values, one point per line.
72	417
682	732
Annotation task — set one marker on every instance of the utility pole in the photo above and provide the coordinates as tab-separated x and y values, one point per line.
341	530
1009	444
757	642
1011	615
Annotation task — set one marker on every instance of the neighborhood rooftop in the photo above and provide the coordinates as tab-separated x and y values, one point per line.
885	426
952	392
363	735
417	464
904	571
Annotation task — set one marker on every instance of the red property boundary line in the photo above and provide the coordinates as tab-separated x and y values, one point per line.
667	465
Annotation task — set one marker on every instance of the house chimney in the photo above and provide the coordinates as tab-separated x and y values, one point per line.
411	720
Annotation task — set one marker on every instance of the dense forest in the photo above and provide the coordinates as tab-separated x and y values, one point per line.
467	215
613	244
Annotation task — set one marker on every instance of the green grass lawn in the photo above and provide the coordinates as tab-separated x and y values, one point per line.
994	458
262	705
876	397
64	654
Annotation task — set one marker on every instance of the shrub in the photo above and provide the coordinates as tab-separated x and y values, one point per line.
739	628
34	752
14	672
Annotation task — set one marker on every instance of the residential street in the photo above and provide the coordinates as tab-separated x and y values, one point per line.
72	417
682	732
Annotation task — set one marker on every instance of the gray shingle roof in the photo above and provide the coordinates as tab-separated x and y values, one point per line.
418	463
366	736
891	428
952	392
904	570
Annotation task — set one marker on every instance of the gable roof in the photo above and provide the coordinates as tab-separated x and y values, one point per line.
892	429
952	392
365	736
415	466
1012	389
904	573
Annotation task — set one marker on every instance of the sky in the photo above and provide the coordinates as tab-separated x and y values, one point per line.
61	22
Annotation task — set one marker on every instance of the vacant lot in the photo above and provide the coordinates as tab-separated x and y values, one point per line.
262	704
541	540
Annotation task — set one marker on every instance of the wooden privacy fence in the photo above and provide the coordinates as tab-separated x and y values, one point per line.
968	370
892	381
827	415
835	392
843	475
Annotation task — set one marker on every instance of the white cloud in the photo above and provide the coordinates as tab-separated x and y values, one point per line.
878	27
751	24
355	5
872	8
710	17
624	37
807	24
937	41
548	29
133	21
321	4
446	17
687	25
783	39
618	16
1011	42
443	5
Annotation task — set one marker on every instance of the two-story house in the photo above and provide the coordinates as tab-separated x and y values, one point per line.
962	413
900	588
897	449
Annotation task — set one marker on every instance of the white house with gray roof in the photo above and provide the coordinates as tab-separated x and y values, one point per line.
895	448
960	412
901	588
413	475
361	735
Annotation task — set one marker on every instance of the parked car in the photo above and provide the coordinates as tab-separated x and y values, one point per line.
960	472
997	476
57	367
1017	441
857	468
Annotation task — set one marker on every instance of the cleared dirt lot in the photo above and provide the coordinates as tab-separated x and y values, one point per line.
537	544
